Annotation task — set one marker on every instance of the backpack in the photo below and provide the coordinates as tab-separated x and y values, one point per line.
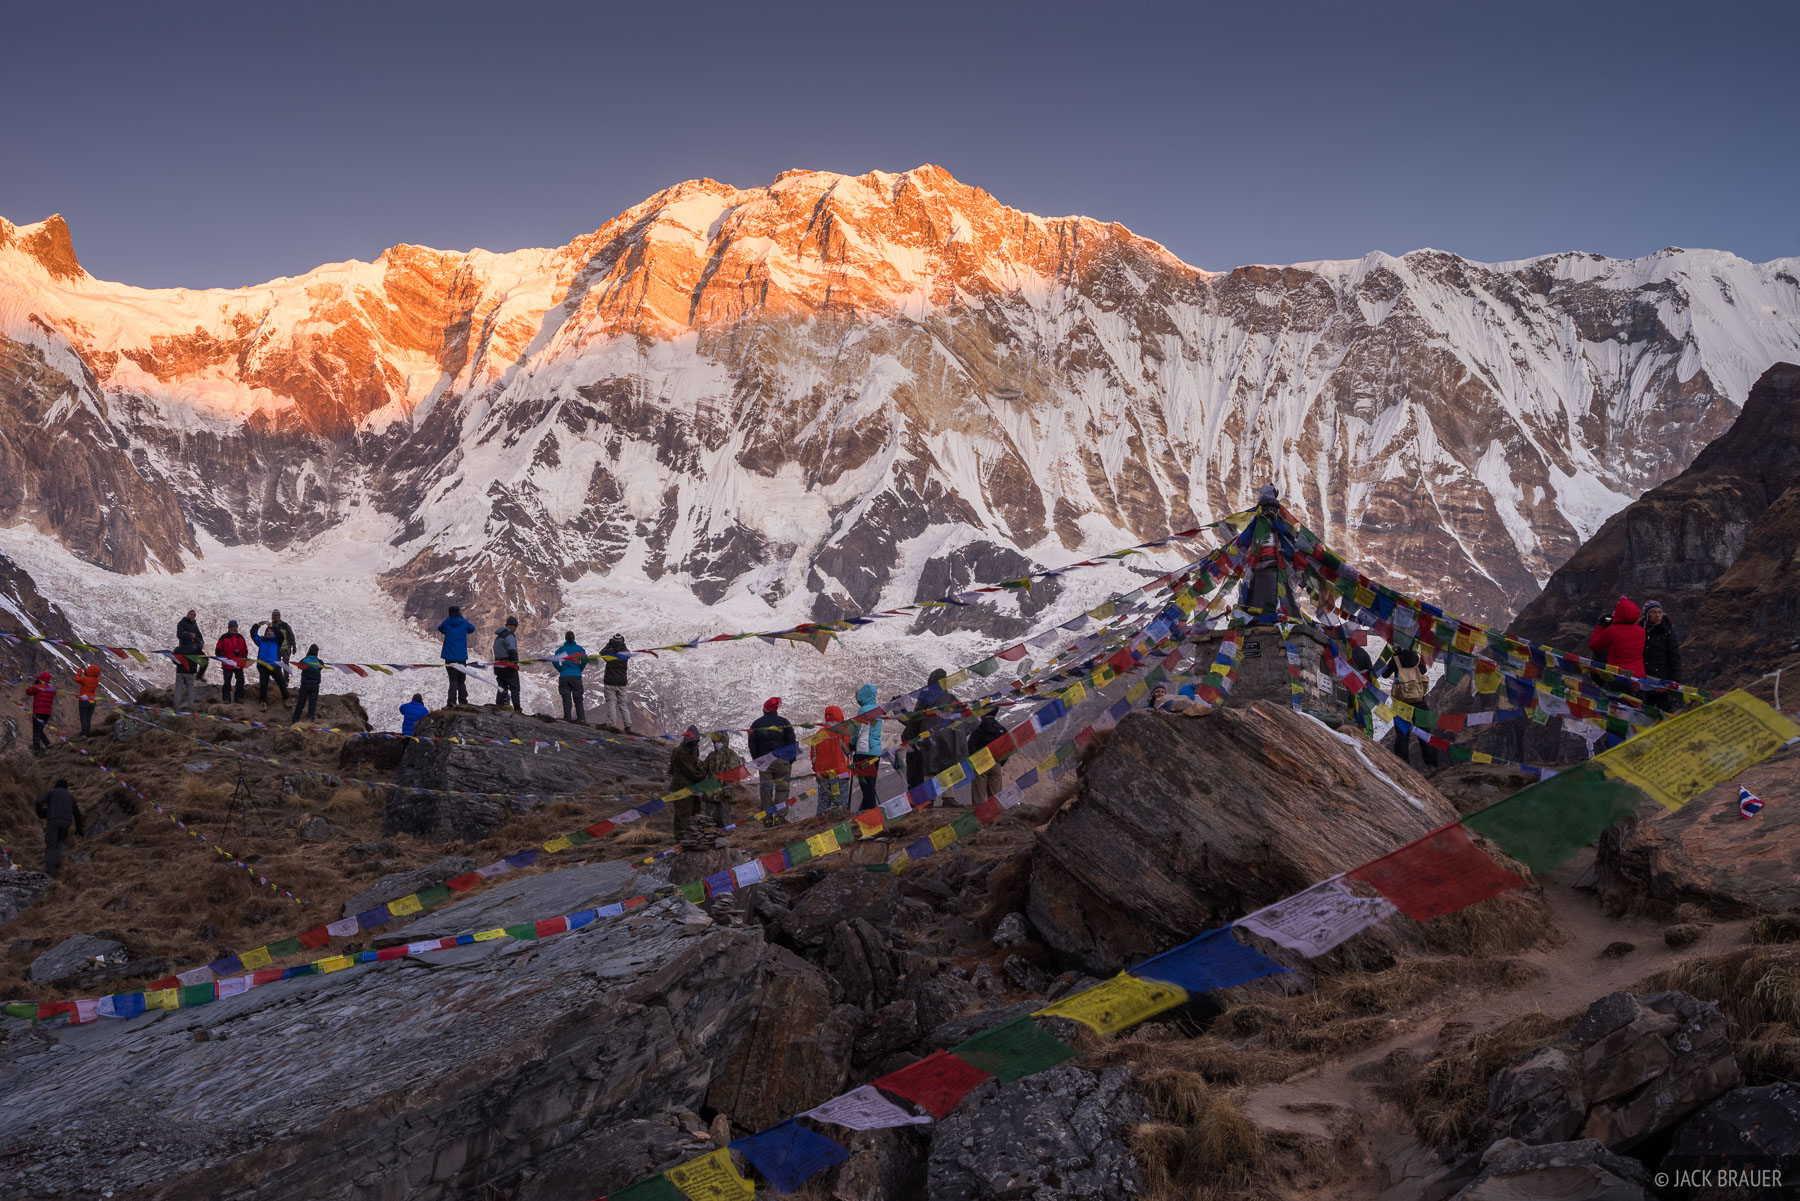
1410	684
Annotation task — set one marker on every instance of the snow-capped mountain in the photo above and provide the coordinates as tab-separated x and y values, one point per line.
737	407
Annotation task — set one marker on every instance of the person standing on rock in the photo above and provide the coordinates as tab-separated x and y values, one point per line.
286	645
1619	642
87	685
411	712
768	734
986	785
268	663
311	668
1662	656
59	811
43	707
506	665
865	749
456	630
612	684
1411	685
571	660
233	654
190	646
686	769
919	726
720	761
831	762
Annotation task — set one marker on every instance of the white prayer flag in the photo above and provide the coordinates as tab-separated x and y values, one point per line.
343	929
1314	921
746	874
864	1109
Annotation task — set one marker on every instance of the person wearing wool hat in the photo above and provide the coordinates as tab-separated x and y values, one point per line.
43	708
770	734
411	712
506	665
1662	655
686	769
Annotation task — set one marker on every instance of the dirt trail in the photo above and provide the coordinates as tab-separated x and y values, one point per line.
1315	1104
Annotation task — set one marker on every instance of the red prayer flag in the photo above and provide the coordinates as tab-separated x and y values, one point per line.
463	883
387	953
936	1082
167	982
1023	733
1439	873
552	925
740	772
1002	746
774	863
358	670
988	812
1012	654
870	819
314	938
1452	721
264	975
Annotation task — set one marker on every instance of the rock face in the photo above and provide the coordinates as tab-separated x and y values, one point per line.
1747	1128
1058	1134
1715	545
1182	823
884	356
610	765
72	956
517	1067
1706	854
19	891
1630	1068
796	1053
1579	1171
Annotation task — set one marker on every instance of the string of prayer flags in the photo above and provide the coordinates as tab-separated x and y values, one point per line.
1676	761
1315	921
1214	960
864	1109
1436	874
1544	824
935	1083
788	1155
1122	1001
1014	1049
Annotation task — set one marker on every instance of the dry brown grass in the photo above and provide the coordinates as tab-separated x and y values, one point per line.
1445	1096
1204	1148
1758	989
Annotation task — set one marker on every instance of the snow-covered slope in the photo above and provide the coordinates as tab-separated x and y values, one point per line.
736	407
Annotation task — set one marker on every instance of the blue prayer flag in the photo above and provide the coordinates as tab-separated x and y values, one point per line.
1214	960
789	1155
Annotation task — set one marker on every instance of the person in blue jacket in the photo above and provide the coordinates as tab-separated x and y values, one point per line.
456	630
571	661
411	712
865	749
268	662
311	667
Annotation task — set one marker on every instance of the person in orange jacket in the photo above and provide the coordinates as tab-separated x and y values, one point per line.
88	687
831	763
43	705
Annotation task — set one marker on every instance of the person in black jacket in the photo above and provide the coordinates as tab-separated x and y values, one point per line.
919	730
769	733
190	652
59	810
1408	664
987	732
1662	655
612	685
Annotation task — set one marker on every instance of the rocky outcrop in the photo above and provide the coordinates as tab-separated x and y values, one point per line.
795	1055
1058	1134
1181	824
529	1068
1751	1130
1681	543
19	891
1629	1069
1705	854
74	955
1583	1170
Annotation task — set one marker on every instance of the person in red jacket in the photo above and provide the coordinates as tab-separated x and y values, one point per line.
1620	642
43	704
234	654
831	762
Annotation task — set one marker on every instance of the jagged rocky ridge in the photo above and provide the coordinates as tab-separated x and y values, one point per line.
833	391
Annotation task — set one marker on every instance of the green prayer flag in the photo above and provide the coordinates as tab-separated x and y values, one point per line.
1461	754
578	837
965	825
1013	1049
844	832
431	898
1537	714
1453	674
710	784
694	891
287	946
1425	719
1543	825
986	667
19	1009
657	1188
798	853
197	994
526	931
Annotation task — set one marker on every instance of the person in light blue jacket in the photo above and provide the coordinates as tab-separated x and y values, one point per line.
571	661
456	630
865	749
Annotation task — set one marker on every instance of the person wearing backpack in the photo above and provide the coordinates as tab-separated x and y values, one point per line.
1412	685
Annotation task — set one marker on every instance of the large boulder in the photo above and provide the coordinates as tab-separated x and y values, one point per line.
74	955
1706	854
488	762
1583	1170
1056	1135
1630	1068
1181	824
497	1068
1747	1129
796	1053
19	891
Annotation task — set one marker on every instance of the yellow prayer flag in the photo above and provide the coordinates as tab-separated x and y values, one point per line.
1074	695
1487	682
1120	1002
1684	756
1102	674
711	1178
951	776
161	998
254	959
943	836
822	843
405	905
899	862
1402	710
489	935
1384	711
1185	602
336	963
1136	690
1364	596
1101	612
982	761
559	843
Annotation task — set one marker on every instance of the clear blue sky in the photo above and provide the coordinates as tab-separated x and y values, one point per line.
226	144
